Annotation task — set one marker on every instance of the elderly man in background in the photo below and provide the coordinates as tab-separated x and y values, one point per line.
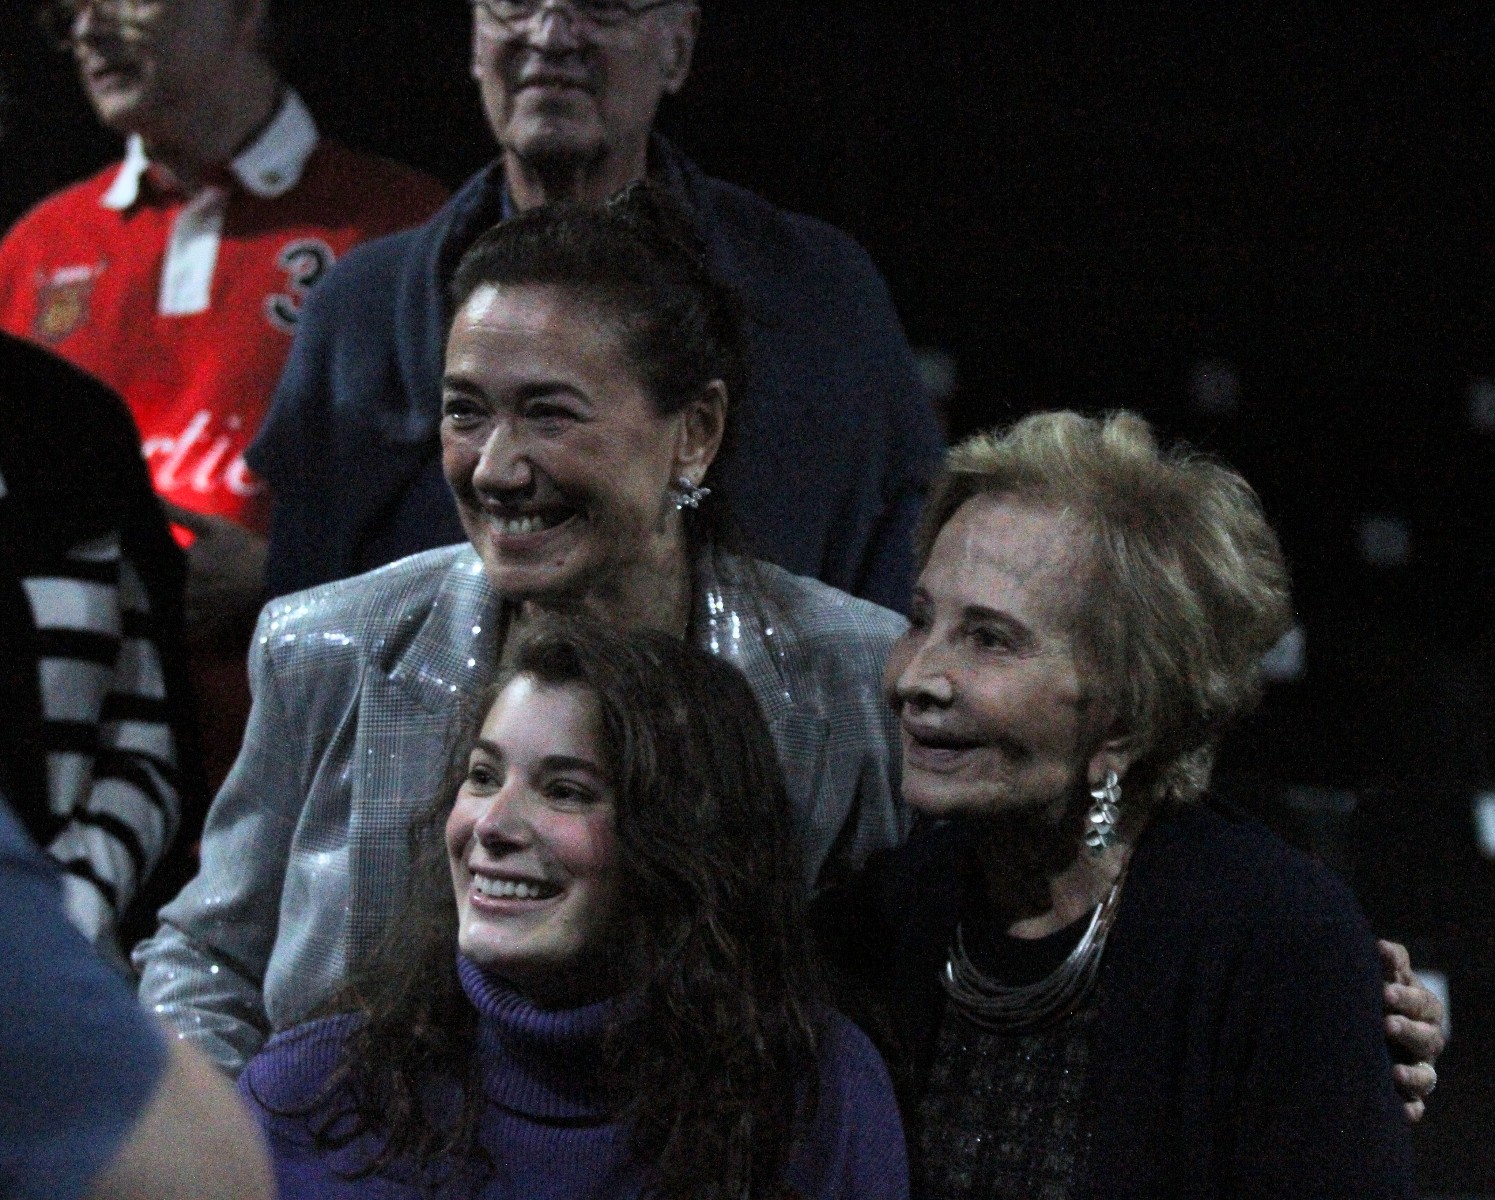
177	277
835	438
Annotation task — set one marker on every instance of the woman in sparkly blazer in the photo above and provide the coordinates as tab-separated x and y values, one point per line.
591	377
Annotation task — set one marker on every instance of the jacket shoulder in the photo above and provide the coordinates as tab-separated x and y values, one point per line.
359	615
804	256
777	231
64	205
824	648
824	619
812	290
387	189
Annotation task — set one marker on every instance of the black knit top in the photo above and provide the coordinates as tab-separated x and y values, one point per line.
1008	1115
1234	1045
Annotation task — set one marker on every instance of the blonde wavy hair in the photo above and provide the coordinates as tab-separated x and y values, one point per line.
1186	587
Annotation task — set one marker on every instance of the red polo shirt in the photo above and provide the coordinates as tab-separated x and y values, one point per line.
186	305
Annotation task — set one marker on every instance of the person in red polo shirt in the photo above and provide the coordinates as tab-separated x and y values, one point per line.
177	276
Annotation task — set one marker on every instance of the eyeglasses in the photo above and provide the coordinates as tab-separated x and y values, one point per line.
58	18
512	15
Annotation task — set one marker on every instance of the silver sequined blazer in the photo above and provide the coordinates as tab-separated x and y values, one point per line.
356	686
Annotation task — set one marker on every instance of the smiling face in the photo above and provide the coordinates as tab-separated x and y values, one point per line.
558	460
561	90
988	683
532	844
152	68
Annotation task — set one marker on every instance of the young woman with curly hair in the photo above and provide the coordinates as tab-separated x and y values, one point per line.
600	984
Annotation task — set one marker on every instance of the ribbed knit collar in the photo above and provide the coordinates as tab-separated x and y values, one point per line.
542	1063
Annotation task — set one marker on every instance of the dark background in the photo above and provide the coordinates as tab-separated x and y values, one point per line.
1266	226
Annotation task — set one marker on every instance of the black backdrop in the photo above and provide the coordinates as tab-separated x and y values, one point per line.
1081	204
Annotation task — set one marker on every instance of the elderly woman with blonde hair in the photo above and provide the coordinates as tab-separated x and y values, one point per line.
1102	983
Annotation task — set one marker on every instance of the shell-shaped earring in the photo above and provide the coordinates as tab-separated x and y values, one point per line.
1103	816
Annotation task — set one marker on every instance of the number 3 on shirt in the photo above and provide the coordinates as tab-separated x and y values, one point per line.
304	261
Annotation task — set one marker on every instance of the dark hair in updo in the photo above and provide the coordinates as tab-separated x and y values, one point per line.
639	261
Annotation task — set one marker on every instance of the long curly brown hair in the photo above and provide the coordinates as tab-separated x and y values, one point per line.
717	1053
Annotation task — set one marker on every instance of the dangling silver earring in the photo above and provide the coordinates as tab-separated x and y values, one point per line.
686	494
1100	821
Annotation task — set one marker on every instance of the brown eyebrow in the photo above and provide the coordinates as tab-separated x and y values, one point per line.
459	383
980	612
976	612
551	762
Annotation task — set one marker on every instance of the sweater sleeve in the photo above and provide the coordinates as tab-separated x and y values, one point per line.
113	754
1314	1108
204	970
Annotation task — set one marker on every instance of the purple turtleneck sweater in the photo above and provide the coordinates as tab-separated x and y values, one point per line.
543	1124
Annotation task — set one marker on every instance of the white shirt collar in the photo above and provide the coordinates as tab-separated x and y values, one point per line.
269	167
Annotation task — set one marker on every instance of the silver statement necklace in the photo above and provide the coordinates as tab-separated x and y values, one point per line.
1025	1008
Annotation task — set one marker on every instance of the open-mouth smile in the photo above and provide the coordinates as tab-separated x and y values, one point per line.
514	889
529	524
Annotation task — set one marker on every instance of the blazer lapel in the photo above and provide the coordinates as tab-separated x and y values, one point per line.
412	697
738	620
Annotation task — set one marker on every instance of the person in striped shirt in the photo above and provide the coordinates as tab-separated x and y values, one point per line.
91	671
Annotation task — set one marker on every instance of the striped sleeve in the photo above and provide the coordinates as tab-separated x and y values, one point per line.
111	754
